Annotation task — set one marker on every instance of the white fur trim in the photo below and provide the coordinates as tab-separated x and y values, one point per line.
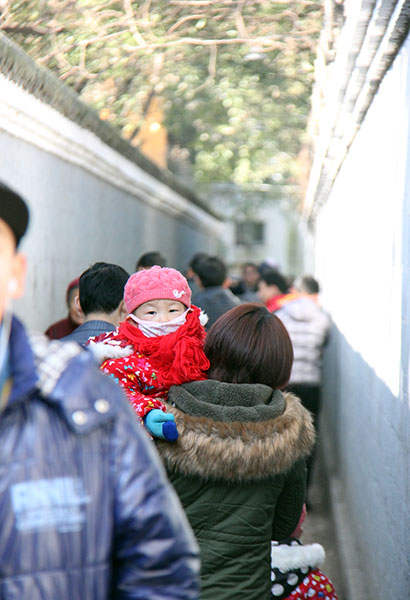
203	318
286	558
102	351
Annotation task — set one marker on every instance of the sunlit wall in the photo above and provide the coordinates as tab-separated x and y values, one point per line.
286	242
363	262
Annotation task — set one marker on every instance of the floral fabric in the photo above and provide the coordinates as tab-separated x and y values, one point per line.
156	363
140	381
315	585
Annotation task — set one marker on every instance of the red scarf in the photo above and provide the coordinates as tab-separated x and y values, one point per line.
179	356
280	300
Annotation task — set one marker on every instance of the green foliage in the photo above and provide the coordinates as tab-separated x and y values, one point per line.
234	76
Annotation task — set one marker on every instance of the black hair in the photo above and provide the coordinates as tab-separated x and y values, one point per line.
309	284
150	259
13	211
102	287
196	259
250	264
273	277
211	270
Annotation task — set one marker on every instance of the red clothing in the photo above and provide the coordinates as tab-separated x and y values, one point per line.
156	363
314	585
61	328
278	301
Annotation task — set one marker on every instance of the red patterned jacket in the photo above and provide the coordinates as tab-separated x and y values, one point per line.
153	364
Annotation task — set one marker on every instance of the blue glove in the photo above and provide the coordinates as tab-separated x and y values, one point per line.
161	425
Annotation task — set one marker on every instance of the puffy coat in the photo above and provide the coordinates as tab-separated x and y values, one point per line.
239	470
85	509
308	327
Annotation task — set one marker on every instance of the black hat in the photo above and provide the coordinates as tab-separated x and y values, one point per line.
13	211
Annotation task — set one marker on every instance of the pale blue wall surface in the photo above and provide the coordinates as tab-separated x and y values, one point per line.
78	219
363	262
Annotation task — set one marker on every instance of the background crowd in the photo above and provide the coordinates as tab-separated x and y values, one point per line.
195	487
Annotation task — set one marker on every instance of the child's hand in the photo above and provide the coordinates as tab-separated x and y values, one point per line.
161	425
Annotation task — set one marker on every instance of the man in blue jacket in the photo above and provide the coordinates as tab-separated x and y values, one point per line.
100	300
86	511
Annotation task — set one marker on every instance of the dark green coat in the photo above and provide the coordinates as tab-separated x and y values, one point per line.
239	470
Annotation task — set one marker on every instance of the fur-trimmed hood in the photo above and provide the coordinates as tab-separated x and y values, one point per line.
237	432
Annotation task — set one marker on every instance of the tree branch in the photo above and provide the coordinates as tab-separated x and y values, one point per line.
133	25
270	42
213	53
203	2
146	9
5	9
181	21
29	29
240	23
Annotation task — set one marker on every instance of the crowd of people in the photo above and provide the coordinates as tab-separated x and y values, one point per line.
159	449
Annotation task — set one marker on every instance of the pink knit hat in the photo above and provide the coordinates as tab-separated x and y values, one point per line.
157	283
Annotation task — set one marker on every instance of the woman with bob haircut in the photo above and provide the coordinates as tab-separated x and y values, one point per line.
239	463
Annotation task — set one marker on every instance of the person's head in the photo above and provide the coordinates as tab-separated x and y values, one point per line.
102	291
271	284
14	218
74	310
268	264
150	259
307	285
159	294
210	271
250	275
248	344
191	269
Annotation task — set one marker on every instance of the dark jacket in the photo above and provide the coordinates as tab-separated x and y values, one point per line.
82	334
85	508
215	301
61	328
239	470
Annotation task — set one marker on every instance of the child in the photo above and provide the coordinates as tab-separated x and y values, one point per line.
160	344
295	569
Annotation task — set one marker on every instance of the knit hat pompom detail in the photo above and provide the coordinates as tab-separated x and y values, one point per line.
156	283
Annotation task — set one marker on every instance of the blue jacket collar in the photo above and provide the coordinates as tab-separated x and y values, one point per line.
22	365
63	373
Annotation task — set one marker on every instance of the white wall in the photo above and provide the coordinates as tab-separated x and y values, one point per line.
87	202
287	241
363	261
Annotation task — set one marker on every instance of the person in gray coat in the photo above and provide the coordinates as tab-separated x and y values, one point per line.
308	328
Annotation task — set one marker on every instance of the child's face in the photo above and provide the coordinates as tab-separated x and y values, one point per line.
160	311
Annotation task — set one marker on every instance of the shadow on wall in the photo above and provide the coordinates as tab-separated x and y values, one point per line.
365	431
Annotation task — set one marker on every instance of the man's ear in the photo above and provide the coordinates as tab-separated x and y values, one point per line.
123	312
18	276
198	282
76	301
275	290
